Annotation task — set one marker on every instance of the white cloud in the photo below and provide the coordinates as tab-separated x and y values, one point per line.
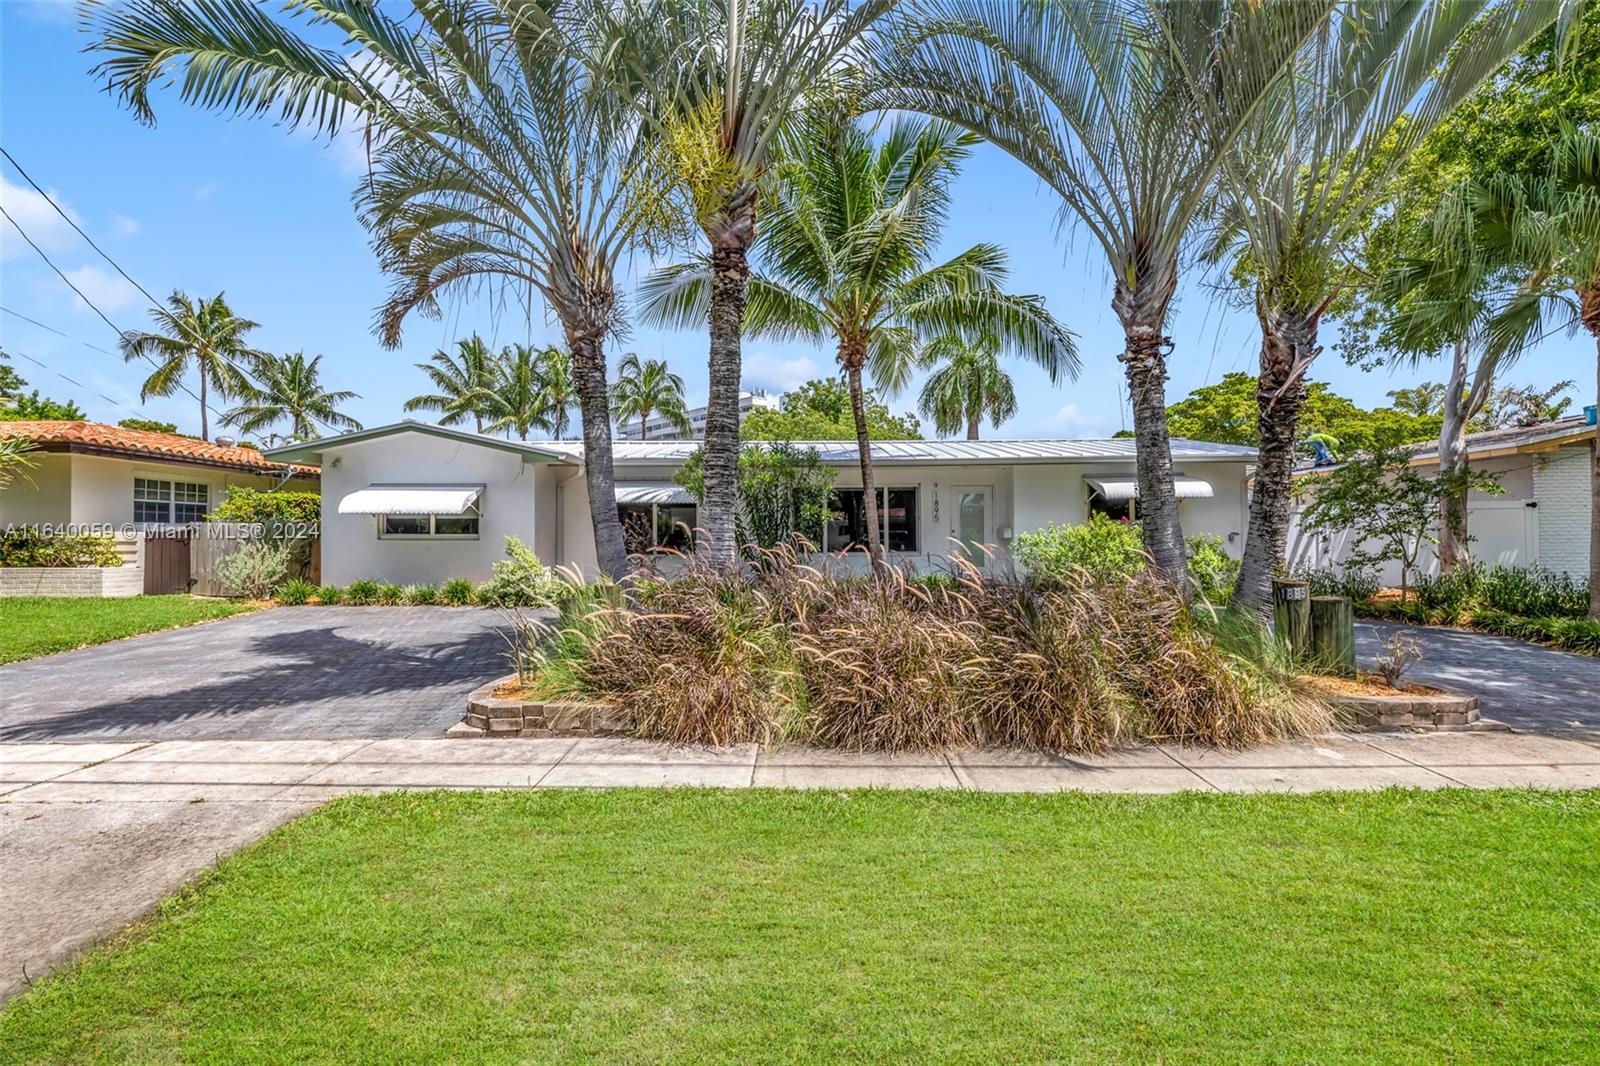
37	218
777	373
123	226
109	292
1068	417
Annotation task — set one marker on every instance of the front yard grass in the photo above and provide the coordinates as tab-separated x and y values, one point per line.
39	625
700	926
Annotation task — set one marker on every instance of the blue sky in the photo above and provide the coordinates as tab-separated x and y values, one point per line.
205	203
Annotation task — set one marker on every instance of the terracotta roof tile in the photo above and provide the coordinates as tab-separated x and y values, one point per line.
140	442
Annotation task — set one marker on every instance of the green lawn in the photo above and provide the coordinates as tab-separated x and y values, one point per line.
763	926
39	625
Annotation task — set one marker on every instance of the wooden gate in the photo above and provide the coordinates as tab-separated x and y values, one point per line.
166	561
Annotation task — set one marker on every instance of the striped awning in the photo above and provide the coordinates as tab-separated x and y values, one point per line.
412	499
648	492
1120	489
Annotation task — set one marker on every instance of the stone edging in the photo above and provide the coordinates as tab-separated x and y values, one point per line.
1444	711
489	715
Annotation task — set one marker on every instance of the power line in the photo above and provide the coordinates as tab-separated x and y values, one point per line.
57	332
71	381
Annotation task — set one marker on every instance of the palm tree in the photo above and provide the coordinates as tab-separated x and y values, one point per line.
969	386
459	379
1546	227
204	332
1093	96
288	387
845	255
722	81
498	159
1310	171
514	400
645	388
558	388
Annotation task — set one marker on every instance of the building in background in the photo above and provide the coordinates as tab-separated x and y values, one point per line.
661	429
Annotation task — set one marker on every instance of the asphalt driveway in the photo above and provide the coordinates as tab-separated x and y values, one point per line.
284	673
1526	686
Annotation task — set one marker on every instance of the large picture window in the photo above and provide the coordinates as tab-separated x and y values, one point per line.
897	520
400	526
157	501
648	527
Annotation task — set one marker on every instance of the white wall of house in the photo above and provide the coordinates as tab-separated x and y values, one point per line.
351	547
98	490
1562	486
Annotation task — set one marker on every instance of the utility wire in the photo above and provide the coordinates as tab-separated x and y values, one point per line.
57	332
71	381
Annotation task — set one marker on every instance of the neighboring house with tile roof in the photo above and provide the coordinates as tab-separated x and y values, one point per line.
415	502
88	473
1542	516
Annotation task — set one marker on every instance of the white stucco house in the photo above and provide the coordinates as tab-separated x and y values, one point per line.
415	502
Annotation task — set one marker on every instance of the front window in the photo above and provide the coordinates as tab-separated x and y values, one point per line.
428	525
157	501
897	520
1116	510
649	527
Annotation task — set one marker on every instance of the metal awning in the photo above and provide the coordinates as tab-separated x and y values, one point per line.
1119	490
647	492
412	499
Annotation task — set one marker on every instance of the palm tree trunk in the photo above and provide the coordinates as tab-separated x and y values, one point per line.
1454	545
853	357
205	422
644	424
974	417
730	277
1589	310
1143	311
1288	342
584	336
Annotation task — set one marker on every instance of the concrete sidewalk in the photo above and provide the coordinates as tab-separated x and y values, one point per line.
93	835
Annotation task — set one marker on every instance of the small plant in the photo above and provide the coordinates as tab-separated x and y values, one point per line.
361	593
1211	568
296	591
422	595
1356	583
1400	653
329	595
390	594
457	592
255	569
520	580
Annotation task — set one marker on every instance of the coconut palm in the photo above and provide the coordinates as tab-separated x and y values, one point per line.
203	332
647	387
557	387
496	158
514	400
1094	97
968	386
1307	175
459	379
722	80
289	388
847	255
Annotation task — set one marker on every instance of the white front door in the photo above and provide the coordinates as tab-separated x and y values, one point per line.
971	521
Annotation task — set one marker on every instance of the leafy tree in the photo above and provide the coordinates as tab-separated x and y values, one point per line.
723	82
783	491
1420	401
648	387
205	333
1526	405
11	382
1226	413
969	385
820	410
460	379
150	425
1097	98
847	255
498	159
36	408
1301	185
1387	507
289	388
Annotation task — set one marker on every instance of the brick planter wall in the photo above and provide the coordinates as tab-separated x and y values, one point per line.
1404	710
102	582
495	716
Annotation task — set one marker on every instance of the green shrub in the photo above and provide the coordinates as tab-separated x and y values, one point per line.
1211	568
390	594
1107	549
28	547
520	580
1533	591
1358	583
457	592
362	593
329	595
295	592
422	595
251	506
255	569
1571	634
